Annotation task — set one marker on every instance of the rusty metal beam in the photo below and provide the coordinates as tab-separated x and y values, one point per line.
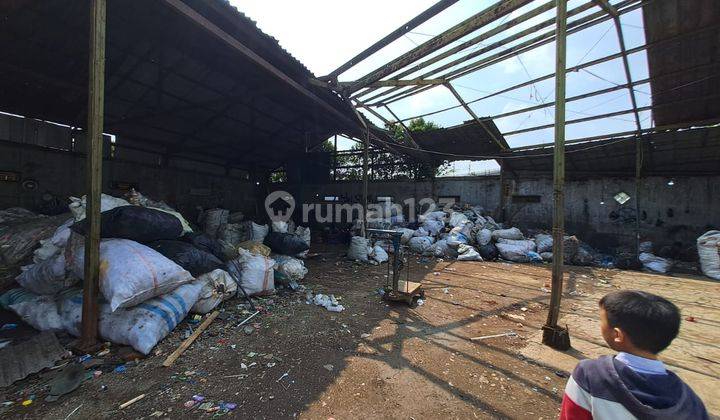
503	145
479	20
392	36
605	5
404	127
577	25
464	45
195	17
396	82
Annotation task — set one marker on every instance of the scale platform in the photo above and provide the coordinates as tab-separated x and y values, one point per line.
407	291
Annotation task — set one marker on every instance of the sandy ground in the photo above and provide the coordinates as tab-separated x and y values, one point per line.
381	360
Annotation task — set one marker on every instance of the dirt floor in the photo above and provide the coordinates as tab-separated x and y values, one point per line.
380	360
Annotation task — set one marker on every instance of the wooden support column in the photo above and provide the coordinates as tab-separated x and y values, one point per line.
554	335
93	174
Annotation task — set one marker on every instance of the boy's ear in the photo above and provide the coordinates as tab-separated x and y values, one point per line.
618	335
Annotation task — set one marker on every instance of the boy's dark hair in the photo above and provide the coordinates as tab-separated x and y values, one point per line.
650	321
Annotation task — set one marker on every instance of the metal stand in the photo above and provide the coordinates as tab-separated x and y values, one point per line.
395	289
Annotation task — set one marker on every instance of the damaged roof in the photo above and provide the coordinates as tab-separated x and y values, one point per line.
685	152
685	68
181	80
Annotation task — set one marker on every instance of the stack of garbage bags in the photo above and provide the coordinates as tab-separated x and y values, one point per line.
467	234
154	270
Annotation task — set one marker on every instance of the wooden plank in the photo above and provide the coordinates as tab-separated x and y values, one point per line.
93	173
408	286
188	341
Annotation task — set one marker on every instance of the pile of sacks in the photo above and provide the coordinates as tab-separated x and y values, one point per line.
154	270
260	255
466	234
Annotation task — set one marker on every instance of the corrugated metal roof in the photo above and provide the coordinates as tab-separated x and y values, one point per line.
458	142
686	68
171	88
686	152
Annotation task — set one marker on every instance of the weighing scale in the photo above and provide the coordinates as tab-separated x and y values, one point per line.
395	288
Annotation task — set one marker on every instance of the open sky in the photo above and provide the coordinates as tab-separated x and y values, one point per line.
323	34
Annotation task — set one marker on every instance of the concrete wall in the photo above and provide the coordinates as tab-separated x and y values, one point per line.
680	212
61	174
668	213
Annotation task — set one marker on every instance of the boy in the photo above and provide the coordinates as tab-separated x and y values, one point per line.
633	384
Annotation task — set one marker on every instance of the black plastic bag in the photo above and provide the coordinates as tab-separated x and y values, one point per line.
488	252
194	260
205	243
285	243
140	224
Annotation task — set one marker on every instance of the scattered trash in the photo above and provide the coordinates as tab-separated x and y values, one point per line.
67	380
328	302
7	327
329	367
690	319
248	330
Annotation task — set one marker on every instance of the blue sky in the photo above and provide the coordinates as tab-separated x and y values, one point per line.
323	34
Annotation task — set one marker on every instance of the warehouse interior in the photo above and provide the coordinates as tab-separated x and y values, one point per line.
190	104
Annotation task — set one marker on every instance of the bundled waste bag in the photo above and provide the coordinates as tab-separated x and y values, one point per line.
39	311
141	326
304	233
256	272
543	243
130	273
285	243
46	277
708	246
289	269
512	233
460	234
441	249
406	235
214	220
217	287
55	244
379	254
488	252
358	249
205	243
483	237
468	253
421	244
140	224
259	232
654	263
433	227
107	202
187	256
